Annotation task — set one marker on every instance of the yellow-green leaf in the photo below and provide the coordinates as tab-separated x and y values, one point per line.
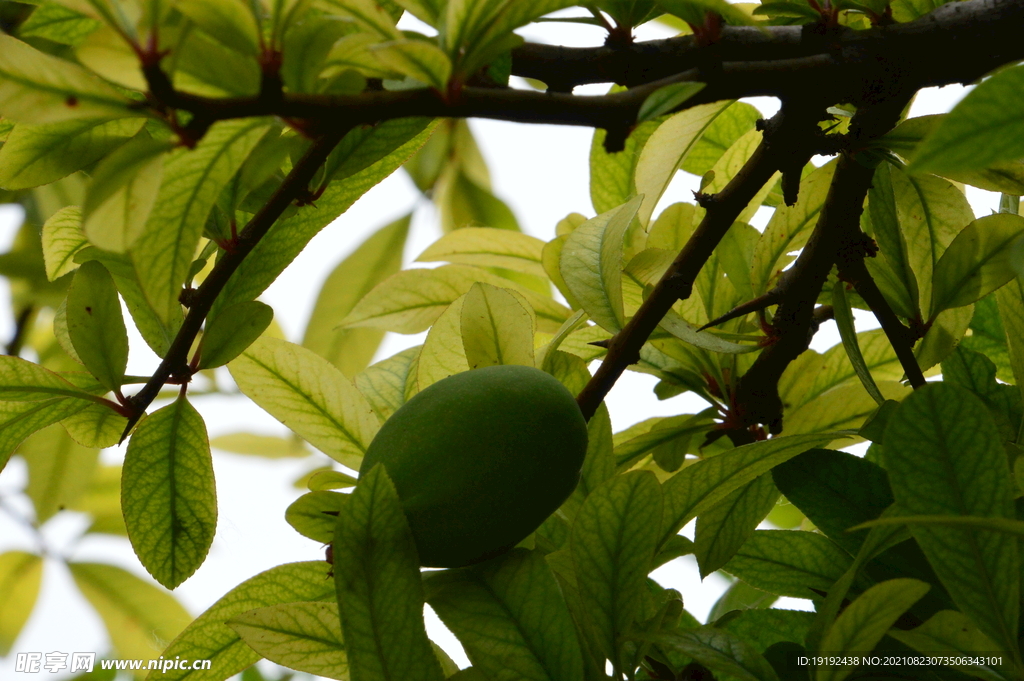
410	301
309	395
96	326
62	239
666	150
168	493
34	155
59	470
591	264
233	330
163	252
497	327
39	88
443	352
379	588
20	576
376	259
978	261
139	616
303	636
865	621
268	446
488	247
121	195
210	638
416	59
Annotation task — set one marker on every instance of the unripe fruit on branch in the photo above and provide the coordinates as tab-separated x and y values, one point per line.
480	459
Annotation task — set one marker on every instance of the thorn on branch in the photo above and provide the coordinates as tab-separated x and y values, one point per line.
756	305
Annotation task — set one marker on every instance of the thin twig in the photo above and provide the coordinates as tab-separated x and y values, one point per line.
786	137
21	329
175	362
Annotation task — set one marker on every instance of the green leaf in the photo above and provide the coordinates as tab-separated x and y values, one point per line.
693	11
138	616
740	596
380	593
724	131
57	23
377	258
327	480
865	621
377	156
497	327
383	384
164	251
836	491
724	528
510	616
977	262
613	542
122	193
845	407
231	23
848	333
488	247
312	515
40	88
663	431
591	264
18	420
306	393
885	228
20	576
789	229
480	30
789	562
943	336
416	59
59	470
611	175
267	446
304	636
210	638
443	352
1010	304
62	239
34	155
981	130
411	300
720	651
688	333
157	333
944	457
666	99
97	426
23	381
96	326
952	633
931	213
232	331
975	372
667	149
703	485
168	493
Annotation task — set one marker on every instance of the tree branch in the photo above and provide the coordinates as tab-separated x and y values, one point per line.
787	137
837	235
175	362
959	42
966	37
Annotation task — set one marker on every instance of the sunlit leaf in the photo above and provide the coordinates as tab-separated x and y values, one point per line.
304	636
20	576
309	395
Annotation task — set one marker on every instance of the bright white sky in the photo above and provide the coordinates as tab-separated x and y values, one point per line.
542	172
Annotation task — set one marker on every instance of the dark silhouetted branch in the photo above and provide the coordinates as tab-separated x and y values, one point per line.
787	136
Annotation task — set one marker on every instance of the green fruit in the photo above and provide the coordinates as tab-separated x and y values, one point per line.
480	459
